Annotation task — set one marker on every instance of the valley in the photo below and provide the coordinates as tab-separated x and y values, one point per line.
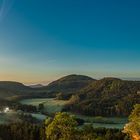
52	105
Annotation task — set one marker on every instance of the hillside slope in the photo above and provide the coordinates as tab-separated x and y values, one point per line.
107	97
68	84
11	85
10	89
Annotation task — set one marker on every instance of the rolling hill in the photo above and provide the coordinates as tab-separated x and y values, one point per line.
65	85
68	85
108	97
10	89
11	85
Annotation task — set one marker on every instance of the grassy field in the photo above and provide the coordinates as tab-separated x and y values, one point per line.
107	122
51	105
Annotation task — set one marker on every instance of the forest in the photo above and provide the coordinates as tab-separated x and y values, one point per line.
105	97
64	127
28	131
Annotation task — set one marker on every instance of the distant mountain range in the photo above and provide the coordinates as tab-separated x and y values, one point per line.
108	96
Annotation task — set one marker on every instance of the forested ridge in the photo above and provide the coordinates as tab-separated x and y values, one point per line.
106	97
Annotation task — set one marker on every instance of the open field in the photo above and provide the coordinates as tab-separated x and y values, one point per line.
106	120
51	105
110	122
38	116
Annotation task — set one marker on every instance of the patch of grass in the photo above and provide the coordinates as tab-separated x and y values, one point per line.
51	104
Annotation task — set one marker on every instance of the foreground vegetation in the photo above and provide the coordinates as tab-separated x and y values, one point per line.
133	127
27	131
65	127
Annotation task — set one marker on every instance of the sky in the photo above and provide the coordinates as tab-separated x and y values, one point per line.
43	40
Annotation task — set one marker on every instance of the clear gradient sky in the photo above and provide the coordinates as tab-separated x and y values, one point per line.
42	40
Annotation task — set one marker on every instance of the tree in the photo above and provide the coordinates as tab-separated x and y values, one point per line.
41	107
63	127
133	127
88	133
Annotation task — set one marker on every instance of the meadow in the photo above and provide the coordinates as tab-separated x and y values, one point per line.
51	105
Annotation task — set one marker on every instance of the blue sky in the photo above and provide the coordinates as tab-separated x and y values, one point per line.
42	40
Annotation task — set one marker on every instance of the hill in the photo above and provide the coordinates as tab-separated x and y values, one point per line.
65	86
107	97
10	85
11	90
68	85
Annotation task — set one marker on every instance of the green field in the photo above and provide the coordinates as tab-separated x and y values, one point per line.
51	105
107	122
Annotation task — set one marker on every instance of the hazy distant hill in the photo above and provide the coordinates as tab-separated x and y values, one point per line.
36	86
13	89
108	97
13	86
